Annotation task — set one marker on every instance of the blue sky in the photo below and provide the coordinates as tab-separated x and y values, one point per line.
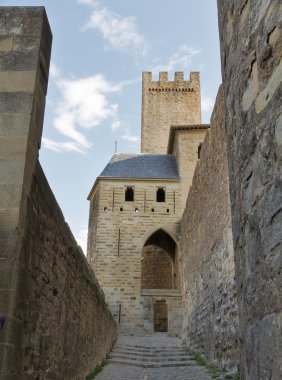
100	48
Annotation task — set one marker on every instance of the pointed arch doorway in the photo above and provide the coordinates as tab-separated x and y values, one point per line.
158	273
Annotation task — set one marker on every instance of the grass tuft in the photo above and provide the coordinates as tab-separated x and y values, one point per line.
96	370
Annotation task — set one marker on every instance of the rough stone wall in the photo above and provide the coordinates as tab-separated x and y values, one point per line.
48	296
115	254
92	227
156	268
25	46
185	148
250	37
68	328
166	103
210	315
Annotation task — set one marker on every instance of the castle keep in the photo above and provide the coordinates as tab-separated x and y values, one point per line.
136	206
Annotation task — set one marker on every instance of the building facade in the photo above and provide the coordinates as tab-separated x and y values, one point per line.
136	206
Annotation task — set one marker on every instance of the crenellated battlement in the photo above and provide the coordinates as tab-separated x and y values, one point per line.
163	84
166	102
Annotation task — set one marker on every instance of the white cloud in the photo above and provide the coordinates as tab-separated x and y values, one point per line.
84	103
88	2
180	60
207	103
67	146
120	32
115	125
81	238
128	137
54	71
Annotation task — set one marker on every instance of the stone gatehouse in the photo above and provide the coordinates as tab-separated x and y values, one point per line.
136	206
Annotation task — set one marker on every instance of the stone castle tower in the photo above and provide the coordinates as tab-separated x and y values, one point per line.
136	206
166	103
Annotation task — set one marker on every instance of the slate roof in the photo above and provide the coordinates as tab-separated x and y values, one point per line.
145	166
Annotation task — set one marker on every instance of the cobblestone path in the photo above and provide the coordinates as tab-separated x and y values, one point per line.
156	357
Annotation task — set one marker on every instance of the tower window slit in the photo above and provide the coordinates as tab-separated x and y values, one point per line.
160	194
129	194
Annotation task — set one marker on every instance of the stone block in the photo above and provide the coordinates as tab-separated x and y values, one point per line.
16	125
10	195
21	20
11	170
15	103
17	81
19	60
9	219
13	146
6	43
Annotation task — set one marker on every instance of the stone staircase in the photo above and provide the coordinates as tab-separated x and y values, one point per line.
150	356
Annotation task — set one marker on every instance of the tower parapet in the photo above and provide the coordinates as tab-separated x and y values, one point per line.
165	103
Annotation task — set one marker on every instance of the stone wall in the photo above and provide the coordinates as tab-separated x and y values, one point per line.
207	261
166	103
57	325
156	268
250	38
25	46
117	235
184	143
68	328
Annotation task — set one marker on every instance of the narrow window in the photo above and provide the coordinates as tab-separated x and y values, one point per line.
118	241
119	313
160	194
121	209
152	209
129	194
199	150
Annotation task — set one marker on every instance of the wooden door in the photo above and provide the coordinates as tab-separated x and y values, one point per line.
160	316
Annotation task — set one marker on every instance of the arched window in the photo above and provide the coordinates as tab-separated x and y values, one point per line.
129	194
160	194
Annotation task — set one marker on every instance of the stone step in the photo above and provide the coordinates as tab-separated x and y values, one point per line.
175	358
154	364
146	350
149	354
149	349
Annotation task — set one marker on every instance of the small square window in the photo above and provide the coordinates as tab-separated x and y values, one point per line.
152	210
121	209
105	208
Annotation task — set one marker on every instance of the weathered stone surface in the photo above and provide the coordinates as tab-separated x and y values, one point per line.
186	143
207	259
57	325
124	261
116	238
166	103
68	328
250	37
156	268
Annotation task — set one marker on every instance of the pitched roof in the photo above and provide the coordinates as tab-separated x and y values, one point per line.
175	128
139	166
145	166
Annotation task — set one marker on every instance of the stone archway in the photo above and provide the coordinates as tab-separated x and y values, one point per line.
158	262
